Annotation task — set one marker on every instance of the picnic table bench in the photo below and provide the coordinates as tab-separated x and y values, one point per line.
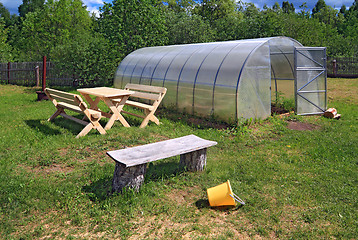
131	162
147	98
69	101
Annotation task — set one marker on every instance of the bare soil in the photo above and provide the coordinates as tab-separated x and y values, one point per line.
301	126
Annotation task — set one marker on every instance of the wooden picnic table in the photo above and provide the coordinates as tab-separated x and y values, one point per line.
107	95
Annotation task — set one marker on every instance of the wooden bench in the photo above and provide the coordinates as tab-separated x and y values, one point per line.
144	93
63	100
131	162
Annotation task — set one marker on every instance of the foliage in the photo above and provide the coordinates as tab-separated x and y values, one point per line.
5	49
30	6
129	25
184	28
56	23
88	58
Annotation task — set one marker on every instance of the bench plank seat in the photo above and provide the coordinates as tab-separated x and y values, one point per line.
159	150
131	162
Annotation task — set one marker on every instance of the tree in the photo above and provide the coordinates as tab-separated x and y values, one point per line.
132	24
4	13
184	28
30	6
180	5
321	4
57	23
5	49
288	7
212	10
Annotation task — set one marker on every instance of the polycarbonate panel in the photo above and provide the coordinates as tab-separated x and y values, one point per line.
188	75
204	78
226	89
150	66
254	94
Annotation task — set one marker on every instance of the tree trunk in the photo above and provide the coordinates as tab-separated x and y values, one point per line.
132	177
194	161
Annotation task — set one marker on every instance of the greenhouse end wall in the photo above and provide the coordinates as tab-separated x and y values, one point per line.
228	80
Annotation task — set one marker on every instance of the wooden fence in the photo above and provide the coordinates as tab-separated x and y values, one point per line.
31	74
342	67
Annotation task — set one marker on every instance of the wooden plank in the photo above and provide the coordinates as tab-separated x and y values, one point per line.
62	99
105	92
74	119
61	94
139	105
159	150
133	114
70	107
145	88
149	96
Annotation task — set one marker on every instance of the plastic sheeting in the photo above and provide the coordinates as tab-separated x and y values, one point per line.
230	80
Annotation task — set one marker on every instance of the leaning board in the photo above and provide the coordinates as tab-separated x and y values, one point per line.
159	150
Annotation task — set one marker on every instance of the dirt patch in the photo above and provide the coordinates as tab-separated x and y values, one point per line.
300	126
46	170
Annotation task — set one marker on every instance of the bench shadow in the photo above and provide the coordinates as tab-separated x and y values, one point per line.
162	170
99	190
38	126
69	125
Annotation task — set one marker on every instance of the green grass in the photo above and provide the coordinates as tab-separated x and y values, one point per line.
296	184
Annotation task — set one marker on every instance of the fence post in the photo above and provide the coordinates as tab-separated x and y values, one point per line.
37	75
44	73
8	72
334	62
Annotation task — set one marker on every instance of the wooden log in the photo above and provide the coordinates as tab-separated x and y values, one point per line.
194	161
131	177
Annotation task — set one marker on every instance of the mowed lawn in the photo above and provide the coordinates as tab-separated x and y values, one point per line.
299	184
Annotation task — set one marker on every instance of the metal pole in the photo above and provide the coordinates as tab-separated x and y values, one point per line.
44	73
37	75
334	62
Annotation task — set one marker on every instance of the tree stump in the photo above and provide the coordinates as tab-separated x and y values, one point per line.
194	161
131	177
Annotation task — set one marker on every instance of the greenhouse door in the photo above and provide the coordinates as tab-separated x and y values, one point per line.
310	80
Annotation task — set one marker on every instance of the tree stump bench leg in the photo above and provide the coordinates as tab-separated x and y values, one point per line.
132	177
194	161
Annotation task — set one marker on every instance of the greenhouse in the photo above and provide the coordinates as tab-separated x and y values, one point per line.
232	80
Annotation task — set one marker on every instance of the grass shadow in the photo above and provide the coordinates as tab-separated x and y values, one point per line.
38	126
193	120
204	203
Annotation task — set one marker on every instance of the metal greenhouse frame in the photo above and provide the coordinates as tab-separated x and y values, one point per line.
231	80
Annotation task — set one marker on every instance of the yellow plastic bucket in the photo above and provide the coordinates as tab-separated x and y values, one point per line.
222	195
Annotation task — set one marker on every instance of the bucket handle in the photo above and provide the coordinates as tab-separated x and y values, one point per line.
236	198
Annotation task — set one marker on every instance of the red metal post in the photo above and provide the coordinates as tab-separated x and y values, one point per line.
44	73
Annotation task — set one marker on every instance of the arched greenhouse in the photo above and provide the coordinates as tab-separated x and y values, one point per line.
231	80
